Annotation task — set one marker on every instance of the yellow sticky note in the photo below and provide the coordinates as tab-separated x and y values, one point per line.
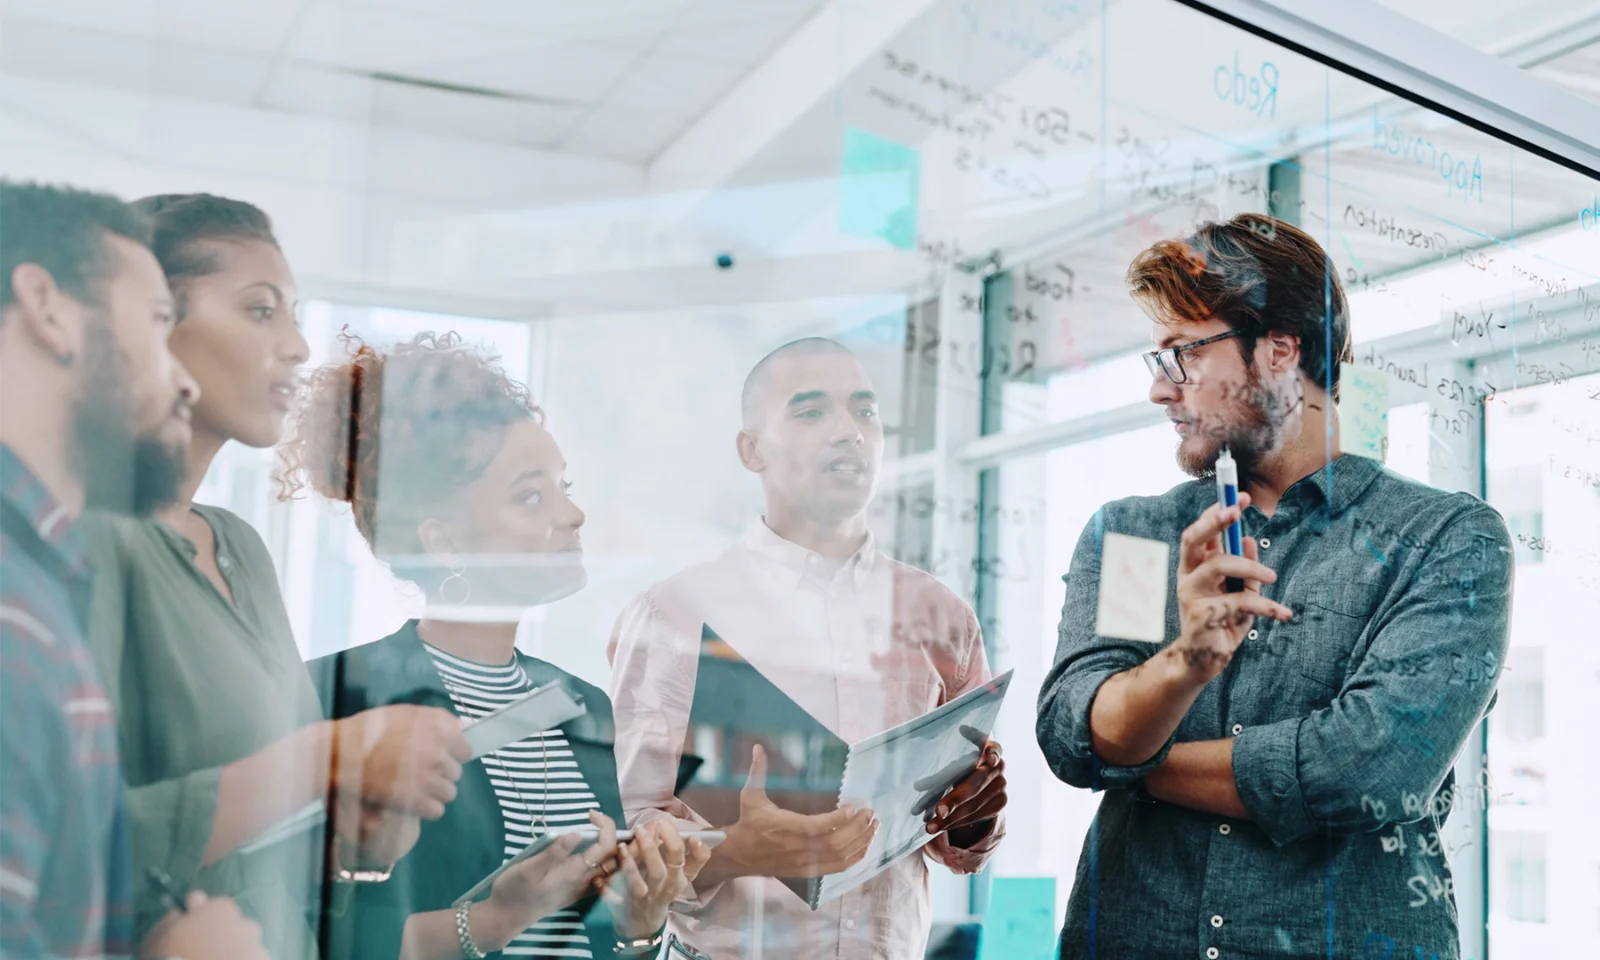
1133	589
1363	412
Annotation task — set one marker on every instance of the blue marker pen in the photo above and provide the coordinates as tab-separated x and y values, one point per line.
1228	496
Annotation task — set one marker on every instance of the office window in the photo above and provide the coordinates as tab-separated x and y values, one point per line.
1521	889
1541	455
1521	707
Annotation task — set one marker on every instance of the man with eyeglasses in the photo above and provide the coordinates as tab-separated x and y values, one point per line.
1270	768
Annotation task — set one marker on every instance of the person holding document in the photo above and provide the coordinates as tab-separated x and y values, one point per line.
1251	756
222	734
859	641
453	480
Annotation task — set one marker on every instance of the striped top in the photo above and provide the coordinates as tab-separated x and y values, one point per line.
536	780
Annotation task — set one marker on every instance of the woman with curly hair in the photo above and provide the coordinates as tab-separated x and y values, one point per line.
453	481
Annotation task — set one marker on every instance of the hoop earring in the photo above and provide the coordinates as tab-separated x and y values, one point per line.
456	576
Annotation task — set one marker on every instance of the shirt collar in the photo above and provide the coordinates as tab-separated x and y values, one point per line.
54	525
796	560
1342	481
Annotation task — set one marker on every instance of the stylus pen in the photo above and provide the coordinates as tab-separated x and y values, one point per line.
1228	496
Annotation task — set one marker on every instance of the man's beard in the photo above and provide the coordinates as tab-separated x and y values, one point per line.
1252	429
121	472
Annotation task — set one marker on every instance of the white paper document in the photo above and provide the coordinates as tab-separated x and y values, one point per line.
549	706
545	708
902	773
1133	589
307	818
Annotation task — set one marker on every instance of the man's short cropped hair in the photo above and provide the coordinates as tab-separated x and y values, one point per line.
64	231
755	382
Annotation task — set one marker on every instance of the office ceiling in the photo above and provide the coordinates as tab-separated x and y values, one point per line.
629	80
619	79
608	78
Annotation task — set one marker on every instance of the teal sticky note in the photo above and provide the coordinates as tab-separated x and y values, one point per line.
880	188
1363	411
1021	920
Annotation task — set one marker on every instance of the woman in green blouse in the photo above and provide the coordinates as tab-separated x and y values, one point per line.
221	731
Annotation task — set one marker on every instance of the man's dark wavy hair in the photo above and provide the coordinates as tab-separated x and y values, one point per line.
1257	274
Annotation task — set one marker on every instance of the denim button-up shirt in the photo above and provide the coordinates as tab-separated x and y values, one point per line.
1345	722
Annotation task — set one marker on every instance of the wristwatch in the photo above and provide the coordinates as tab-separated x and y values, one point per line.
344	874
641	946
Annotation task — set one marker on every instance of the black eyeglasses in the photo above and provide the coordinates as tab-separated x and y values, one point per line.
1170	360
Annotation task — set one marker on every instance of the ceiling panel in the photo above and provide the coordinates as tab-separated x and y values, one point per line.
237	24
535	16
626	135
1578	72
574	72
369	38
71	54
732	11
729	41
319	92
502	121
650	67
306	88
680	86
1493	26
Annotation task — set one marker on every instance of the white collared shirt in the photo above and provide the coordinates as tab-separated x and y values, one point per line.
861	646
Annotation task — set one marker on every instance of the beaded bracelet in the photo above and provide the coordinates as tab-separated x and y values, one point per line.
464	934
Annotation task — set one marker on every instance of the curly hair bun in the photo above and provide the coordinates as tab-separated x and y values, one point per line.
428	415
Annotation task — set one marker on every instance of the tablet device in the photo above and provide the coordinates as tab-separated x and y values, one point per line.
545	708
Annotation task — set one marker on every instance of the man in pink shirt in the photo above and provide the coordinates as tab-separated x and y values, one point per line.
859	641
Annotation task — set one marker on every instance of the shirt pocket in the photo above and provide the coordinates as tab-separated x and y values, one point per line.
1330	620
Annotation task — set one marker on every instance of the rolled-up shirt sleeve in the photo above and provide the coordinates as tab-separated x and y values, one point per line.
1085	660
1392	734
654	665
171	823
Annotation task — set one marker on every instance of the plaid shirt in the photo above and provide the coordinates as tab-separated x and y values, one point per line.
64	881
